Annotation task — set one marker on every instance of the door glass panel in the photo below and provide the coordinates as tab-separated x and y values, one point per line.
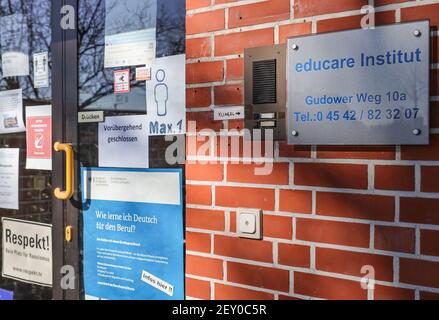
34	21
97	19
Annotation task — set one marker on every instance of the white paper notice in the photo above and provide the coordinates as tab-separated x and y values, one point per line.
123	142
11	111
14	45
130	32
41	70
166	97
39	137
9	176
27	251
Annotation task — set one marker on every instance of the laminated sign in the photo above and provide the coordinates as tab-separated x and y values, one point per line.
39	137
133	234
122	81
27	251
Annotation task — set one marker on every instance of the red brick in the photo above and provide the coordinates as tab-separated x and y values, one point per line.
327	287
353	22
430	242
296	201
429	179
294	255
307	8
204	120
430	12
258	13
204	172
427	152
229	94
419	272
294	30
195	4
434	113
196	241
234	43
393	293
205	219
262	277
204	267
247	173
238	197
295	151
357	206
419	210
198	195
243	248
198	48
198	97
386	2
278	227
395	178
205	22
395	239
356	152
225	292
197	289
341	233
429	295
331	175
203	72
235	69
350	263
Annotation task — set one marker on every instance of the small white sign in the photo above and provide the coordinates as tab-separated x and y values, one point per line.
123	142
27	251
143	74
157	283
41	70
122	81
229	113
90	116
166	97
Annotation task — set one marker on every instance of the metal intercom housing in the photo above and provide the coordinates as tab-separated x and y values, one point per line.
265	89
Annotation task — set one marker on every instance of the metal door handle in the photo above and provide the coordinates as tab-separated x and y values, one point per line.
68	150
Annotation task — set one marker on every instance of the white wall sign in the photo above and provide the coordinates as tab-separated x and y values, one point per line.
9	176
166	96
228	113
123	142
27	251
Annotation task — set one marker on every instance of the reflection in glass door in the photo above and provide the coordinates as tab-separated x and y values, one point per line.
25	28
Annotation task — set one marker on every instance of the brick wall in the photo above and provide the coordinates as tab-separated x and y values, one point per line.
328	211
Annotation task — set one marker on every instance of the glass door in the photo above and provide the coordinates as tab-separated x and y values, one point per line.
131	54
25	168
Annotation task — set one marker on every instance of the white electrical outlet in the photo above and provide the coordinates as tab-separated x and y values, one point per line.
249	223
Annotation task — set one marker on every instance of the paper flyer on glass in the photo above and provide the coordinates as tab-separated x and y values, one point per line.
39	137
133	234
14	40
166	96
11	111
130	32
9	178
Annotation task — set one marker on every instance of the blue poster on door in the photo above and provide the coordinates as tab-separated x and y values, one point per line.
133	234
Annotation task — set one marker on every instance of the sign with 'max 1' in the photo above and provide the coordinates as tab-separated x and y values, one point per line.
364	87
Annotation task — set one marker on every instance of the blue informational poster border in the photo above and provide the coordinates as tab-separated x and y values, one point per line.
133	234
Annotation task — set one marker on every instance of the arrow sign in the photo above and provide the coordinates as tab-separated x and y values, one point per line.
228	113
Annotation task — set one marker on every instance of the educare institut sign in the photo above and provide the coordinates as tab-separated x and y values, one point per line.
360	87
